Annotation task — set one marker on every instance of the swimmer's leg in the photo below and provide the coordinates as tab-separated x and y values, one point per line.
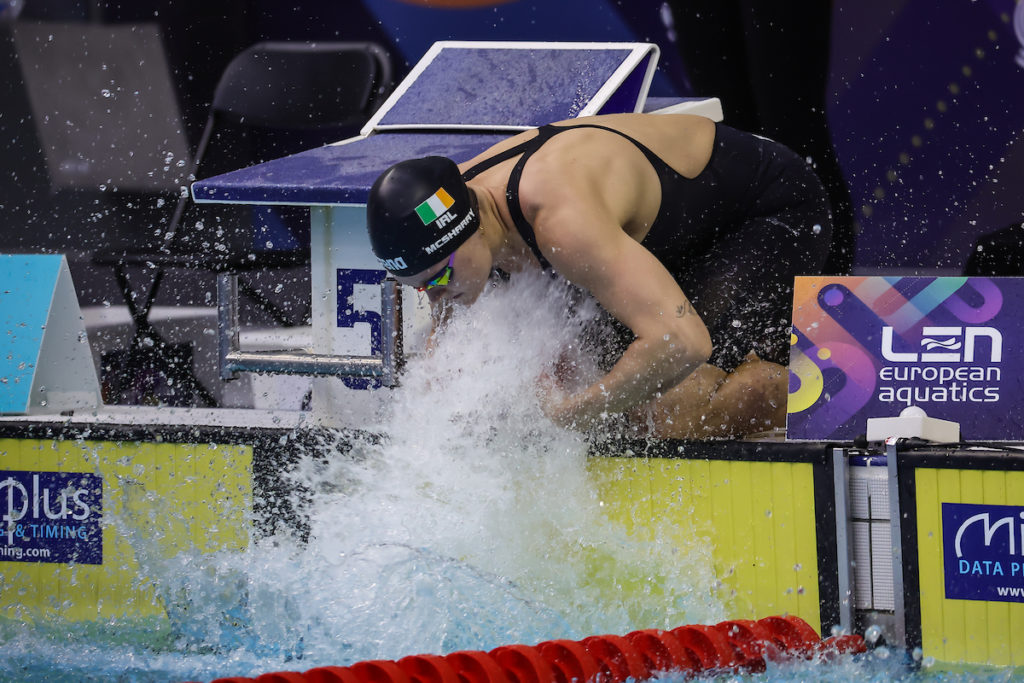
712	403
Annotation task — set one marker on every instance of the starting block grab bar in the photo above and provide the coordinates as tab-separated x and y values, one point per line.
233	360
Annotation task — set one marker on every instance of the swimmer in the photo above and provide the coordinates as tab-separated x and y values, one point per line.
687	232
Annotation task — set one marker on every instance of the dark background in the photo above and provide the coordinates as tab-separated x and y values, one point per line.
925	108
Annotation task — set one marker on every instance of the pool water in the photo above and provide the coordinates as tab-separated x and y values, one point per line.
471	525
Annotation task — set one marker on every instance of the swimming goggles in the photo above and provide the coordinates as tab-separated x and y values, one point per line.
441	278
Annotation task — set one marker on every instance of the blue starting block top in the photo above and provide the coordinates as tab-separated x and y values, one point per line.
460	99
336	174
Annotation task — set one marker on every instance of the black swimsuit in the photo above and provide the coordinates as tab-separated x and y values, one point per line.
733	237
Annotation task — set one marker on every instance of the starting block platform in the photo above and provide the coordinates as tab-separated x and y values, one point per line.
460	99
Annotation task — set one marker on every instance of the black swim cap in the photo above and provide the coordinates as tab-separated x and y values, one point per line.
418	213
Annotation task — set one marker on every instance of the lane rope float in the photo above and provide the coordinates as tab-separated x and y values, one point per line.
738	645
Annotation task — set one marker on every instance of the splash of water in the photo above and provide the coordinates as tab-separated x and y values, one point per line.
468	522
473	479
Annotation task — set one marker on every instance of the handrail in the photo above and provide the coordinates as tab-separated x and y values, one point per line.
233	360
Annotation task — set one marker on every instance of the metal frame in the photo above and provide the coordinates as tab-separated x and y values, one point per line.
896	517
844	540
233	360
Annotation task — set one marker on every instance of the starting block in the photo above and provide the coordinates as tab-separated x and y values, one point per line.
46	365
460	99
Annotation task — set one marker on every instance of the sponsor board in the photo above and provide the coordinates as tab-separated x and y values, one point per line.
87	545
51	517
983	552
866	347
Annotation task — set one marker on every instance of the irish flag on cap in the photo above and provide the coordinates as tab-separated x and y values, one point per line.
436	204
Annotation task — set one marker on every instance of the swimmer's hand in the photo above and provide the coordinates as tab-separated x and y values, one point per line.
553	401
563	408
574	410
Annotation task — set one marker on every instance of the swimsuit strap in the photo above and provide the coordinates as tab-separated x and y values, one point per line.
512	192
527	148
489	162
524	227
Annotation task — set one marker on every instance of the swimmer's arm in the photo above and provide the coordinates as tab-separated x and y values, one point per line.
671	339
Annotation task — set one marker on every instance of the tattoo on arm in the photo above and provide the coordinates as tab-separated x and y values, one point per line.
685	309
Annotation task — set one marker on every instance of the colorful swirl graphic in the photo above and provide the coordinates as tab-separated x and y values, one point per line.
836	351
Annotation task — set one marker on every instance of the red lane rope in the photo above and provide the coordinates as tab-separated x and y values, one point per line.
731	646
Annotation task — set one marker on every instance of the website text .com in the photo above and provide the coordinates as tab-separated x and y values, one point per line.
9	552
